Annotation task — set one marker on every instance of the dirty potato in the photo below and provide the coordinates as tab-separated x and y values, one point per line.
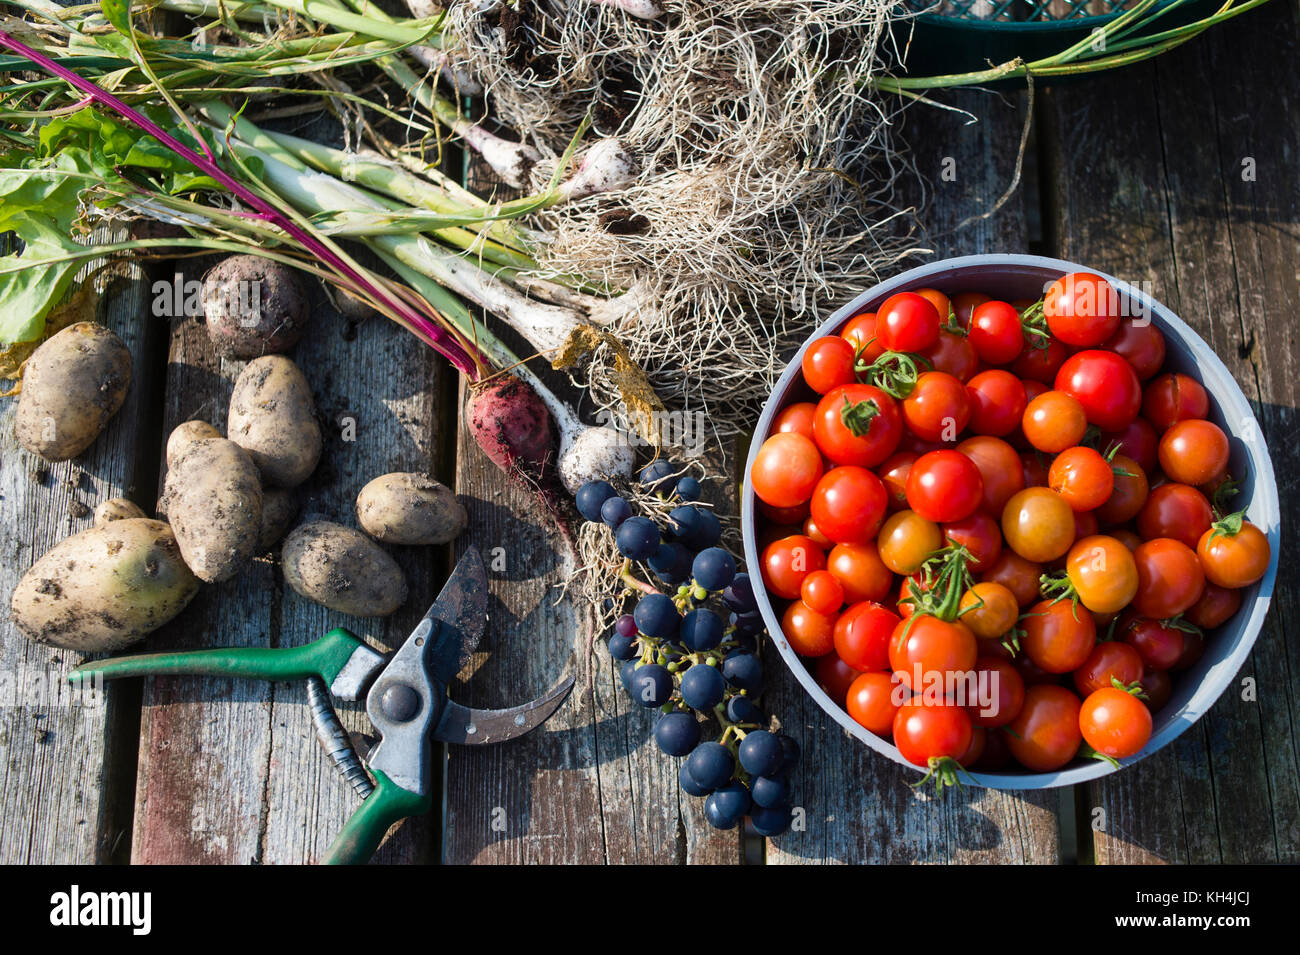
213	500
104	588
116	509
407	508
184	434
73	384
254	306
273	418
343	569
279	508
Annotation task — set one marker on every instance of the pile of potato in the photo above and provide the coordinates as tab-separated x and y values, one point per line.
225	500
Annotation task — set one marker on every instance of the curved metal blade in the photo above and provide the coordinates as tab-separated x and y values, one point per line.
462	609
461	724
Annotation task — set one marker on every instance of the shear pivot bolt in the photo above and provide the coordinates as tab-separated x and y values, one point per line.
400	703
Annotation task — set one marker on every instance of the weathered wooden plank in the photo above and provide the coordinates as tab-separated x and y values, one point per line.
1195	193
859	808
58	799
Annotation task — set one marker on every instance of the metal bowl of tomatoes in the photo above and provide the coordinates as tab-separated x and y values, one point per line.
856	576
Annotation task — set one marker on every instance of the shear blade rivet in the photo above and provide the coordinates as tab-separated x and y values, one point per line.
519	719
471	729
400	703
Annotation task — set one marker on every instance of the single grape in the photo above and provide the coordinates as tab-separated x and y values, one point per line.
637	538
742	670
621	647
658	475
677	733
615	511
713	569
626	625
688	489
711	764
770	821
688	783
625	674
727	806
750	622
770	792
741	709
656	616
760	753
791	750
591	496
684	523
710	528
652	685
739	595
671	563
702	687
701	630
745	642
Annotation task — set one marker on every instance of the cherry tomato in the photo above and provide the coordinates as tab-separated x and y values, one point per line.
785	470
995	332
1130	492
860	332
828	363
857	424
907	322
810	529
1081	309
1081	476
953	354
1006	690
786	562
1032	673
1108	661
1138	441
999	468
1157	643
835	677
870	701
1141	344
1115	723
989	609
1170	578
1035	468
1128	538
1085	525
1054	421
860	572
822	592
906	540
1234	557
893	474
938	299
1103	573
1193	650
1041	360
1193	451
933	645
944	486
1018	575
1177	511
862	635
1045	733
938	409
848	505
1216	606
997	401
931	732
1038	524
964	305
1105	384
809	633
1158	687
972	754
980	534
1174	397
798	418
1058	636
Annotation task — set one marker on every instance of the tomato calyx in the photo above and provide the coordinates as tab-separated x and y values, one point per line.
1133	689
945	577
943	773
1087	752
894	372
1180	623
1011	640
1033	324
857	416
1109	457
1058	587
1228	526
1222	494
953	323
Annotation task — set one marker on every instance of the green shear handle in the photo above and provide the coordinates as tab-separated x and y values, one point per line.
365	828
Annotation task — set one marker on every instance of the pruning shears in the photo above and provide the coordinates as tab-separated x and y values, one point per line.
406	700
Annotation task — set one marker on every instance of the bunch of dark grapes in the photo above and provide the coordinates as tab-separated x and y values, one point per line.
693	655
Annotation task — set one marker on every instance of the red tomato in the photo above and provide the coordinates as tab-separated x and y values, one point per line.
1216	606
981	535
1006	689
789	517
1174	397
785	470
797	417
862	635
997	400
857	424
964	305
999	468
1018	575
848	505
1129	494
923	733
1115	723
1041	360
1138	441
1035	469
860	332
860	571
1170	578
953	354
1081	476
810	529
1141	344
1193	650
1108	661
822	592
1159	645
1054	421
1177	511
944	486
1193	451
938	409
1105	385
786	562
1045	734
870	701
1081	309
1158	688
1234	558
893	474
935	646
907	322
1085	525
828	363
835	677
1058	636
809	633
995	332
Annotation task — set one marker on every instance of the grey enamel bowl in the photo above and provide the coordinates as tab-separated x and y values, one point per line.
1025	276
